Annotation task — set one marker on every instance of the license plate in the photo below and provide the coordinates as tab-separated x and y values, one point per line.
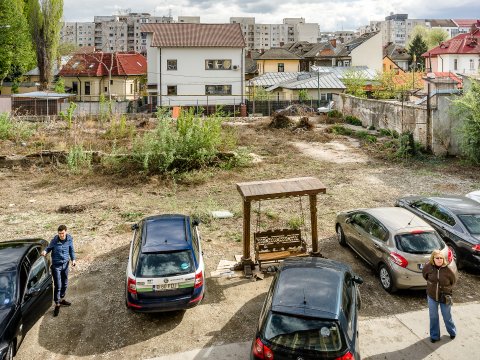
164	287
420	266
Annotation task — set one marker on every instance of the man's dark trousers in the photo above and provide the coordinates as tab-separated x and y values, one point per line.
60	281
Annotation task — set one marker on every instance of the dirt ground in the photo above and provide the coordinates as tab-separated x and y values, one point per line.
98	325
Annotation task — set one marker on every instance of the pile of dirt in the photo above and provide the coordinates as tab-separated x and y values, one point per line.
280	121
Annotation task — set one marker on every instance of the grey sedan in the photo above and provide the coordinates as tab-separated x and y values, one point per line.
394	242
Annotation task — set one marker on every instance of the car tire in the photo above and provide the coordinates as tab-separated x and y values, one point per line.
341	236
386	279
454	251
10	351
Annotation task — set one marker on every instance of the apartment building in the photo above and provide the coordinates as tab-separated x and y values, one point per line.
111	33
265	36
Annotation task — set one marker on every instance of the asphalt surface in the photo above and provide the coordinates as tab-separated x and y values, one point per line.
399	337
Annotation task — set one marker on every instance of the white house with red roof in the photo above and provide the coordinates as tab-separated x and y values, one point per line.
195	64
92	74
460	54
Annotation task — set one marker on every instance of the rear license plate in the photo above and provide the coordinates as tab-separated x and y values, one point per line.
164	287
420	266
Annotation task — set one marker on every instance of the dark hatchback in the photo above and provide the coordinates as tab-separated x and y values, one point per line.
26	291
165	270
310	312
455	218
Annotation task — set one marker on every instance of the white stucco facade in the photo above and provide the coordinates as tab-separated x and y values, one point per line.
369	53
468	64
191	79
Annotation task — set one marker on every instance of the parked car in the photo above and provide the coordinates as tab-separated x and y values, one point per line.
457	220
395	242
310	312
296	110
474	195
326	109
26	291
165	269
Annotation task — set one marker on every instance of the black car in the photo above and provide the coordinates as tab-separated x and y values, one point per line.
26	291
165	269
310	312
455	218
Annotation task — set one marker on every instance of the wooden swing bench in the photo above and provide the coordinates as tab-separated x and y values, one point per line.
275	245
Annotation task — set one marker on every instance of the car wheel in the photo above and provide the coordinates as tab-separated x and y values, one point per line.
454	251
386	279
9	355
341	236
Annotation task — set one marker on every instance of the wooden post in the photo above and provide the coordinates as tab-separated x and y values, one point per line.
246	231
313	223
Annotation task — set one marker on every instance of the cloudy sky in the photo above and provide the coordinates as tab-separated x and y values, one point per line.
331	15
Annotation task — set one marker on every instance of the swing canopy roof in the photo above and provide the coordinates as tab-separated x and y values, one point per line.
280	188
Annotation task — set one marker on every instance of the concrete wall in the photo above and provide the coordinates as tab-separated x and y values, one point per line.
369	54
5	104
402	117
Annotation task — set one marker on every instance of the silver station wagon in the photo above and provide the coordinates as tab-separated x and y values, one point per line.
395	242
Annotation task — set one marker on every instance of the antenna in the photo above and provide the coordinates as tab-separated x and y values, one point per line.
413	217
304	298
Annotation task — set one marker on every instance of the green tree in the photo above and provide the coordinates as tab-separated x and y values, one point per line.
44	19
416	48
436	36
16	53
60	86
303	95
355	83
66	49
467	109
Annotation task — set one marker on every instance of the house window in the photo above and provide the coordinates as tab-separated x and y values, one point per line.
224	64
171	64
74	87
472	64
281	67
323	97
172	90
87	87
105	89
131	88
455	64
218	89
111	82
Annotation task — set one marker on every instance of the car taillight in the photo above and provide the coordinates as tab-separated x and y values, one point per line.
132	286
399	259
347	356
450	255
261	351
198	279
476	247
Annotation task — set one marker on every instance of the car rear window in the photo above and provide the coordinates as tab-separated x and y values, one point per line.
299	333
471	222
165	264
418	242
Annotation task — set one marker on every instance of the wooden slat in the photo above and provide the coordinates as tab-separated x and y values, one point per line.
280	188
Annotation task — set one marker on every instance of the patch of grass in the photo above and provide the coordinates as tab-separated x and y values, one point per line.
365	136
120	129
340	130
10	129
295	223
6	126
334	114
131	215
353	120
78	159
388	132
195	177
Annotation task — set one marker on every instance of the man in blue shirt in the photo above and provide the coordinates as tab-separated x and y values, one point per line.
62	250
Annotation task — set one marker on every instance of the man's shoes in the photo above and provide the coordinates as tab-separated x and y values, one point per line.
452	336
56	311
65	303
434	340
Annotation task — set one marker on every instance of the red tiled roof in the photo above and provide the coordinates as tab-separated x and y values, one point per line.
99	63
449	75
195	35
461	44
465	22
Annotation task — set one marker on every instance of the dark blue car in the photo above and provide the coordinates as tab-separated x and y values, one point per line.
26	291
165	270
310	312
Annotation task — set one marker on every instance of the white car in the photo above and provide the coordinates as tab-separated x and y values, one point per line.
474	195
326	109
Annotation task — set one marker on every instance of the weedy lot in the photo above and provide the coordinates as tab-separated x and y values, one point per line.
97	325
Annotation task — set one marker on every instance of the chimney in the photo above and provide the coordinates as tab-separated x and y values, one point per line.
333	42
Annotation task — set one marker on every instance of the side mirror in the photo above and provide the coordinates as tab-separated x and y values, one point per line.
357	279
348	220
195	222
134	227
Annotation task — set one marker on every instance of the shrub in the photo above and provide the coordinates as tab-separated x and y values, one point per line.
334	114
78	159
68	115
6	126
389	132
14	130
353	120
365	136
120	129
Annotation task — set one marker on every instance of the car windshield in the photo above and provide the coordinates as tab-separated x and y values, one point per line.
165	264
418	242
471	222
7	288
299	333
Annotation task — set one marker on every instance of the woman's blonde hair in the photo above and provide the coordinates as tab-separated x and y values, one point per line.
438	253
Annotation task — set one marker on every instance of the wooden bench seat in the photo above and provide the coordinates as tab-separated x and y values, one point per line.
274	245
